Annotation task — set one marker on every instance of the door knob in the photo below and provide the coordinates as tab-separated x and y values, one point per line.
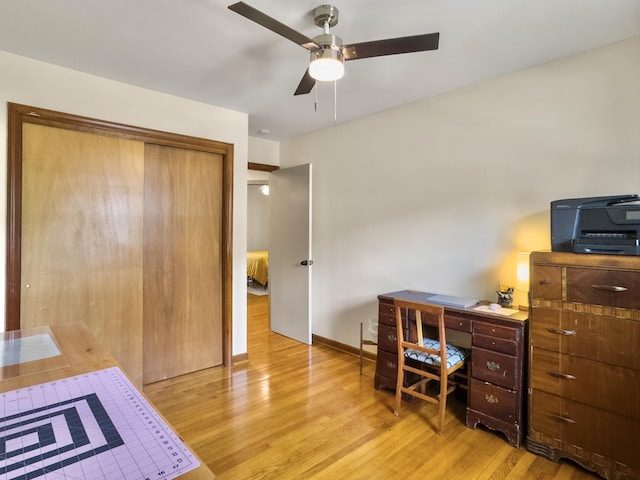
306	262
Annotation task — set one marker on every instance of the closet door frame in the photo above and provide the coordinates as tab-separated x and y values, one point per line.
20	114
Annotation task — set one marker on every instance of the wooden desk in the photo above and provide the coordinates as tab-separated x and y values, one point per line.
80	354
495	372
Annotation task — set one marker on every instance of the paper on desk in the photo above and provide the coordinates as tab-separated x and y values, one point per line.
27	349
501	311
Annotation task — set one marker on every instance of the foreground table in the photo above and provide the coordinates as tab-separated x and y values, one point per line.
66	406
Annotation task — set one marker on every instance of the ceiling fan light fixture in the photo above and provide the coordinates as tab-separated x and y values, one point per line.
326	65
327	62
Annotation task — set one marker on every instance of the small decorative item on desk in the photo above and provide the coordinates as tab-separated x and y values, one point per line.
505	294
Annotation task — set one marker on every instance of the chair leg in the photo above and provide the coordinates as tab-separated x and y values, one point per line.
399	384
444	386
396	407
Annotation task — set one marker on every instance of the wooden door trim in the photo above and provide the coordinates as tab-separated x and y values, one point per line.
20	114
262	167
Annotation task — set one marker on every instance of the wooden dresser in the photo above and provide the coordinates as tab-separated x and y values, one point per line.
584	382
496	380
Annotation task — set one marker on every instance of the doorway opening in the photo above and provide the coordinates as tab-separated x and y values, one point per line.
257	244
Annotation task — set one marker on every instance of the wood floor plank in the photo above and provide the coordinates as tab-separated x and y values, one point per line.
295	411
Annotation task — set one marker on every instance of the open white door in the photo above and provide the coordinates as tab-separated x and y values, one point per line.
290	252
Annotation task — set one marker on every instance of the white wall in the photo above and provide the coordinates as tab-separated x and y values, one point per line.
43	85
264	151
440	195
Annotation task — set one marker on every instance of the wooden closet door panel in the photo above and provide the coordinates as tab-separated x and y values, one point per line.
82	236
182	262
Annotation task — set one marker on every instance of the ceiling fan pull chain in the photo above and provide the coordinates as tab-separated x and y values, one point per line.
315	102
335	102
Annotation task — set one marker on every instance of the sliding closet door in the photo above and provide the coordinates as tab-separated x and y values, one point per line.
81	245
183	280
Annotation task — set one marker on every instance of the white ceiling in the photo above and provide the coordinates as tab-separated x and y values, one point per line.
200	50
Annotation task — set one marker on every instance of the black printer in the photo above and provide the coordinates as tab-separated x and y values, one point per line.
609	225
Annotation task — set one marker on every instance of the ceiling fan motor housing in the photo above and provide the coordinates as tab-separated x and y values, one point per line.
328	40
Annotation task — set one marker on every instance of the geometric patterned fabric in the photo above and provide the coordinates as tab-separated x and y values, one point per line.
455	354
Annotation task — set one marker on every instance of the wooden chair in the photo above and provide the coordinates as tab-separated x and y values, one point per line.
422	357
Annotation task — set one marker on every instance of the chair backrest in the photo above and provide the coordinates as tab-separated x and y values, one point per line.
425	314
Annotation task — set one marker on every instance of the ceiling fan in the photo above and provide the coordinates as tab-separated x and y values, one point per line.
327	50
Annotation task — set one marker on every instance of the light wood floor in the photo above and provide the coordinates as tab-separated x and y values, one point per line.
300	412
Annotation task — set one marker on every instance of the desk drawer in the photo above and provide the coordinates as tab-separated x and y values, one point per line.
497	338
387	338
497	402
457	322
452	321
494	367
387	314
495	344
497	331
387	365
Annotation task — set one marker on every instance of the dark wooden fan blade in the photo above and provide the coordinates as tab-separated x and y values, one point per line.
306	84
391	46
273	25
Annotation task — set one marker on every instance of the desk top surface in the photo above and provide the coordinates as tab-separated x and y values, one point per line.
479	308
44	357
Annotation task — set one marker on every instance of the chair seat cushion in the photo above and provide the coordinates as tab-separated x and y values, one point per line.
455	354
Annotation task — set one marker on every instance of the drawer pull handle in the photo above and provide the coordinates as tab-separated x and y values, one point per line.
557	331
564	376
493	366
561	418
609	288
490	399
392	338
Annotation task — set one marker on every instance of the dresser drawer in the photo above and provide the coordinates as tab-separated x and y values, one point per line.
495	367
497	402
603	338
613	288
546	282
586	428
608	387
